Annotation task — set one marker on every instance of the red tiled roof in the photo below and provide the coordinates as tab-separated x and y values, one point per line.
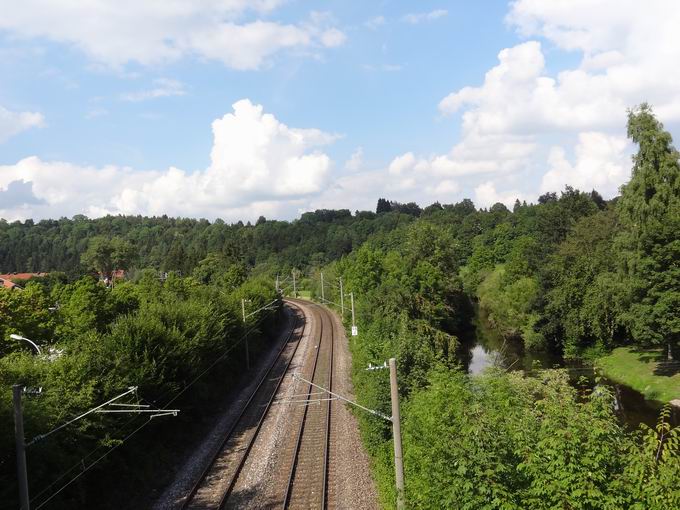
7	284
117	274
20	276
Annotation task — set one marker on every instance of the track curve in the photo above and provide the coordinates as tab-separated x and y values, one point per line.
300	471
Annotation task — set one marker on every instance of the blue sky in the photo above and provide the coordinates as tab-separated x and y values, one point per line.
108	107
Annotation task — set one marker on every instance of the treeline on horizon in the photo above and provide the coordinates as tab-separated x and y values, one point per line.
179	244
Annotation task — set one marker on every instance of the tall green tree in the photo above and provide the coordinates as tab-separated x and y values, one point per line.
106	255
650	213
583	308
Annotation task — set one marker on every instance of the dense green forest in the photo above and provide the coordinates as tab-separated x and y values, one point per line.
173	244
572	274
179	341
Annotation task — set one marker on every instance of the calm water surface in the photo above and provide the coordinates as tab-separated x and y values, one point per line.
483	347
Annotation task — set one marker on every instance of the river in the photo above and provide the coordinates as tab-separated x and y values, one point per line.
483	347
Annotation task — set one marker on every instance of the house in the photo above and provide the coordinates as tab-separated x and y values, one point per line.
9	280
8	284
116	274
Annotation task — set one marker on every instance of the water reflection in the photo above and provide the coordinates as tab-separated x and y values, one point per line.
483	347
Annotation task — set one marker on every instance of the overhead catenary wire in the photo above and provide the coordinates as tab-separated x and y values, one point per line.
265	307
81	463
328	301
344	399
216	361
40	437
127	408
283	290
87	468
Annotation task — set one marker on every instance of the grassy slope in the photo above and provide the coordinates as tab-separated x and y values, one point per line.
637	369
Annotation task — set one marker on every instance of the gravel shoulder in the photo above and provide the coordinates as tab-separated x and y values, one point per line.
354	483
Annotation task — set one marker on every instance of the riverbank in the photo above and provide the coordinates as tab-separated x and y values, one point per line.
643	370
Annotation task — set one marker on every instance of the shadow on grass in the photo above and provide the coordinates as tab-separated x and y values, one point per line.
664	366
648	355
667	368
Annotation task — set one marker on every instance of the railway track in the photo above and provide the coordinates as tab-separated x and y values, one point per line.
308	478
215	485
303	469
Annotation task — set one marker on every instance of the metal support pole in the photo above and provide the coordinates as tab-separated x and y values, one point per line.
351	296
22	475
277	283
294	286
396	432
323	298
342	301
243	310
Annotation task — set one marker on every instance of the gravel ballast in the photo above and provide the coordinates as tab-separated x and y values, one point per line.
260	481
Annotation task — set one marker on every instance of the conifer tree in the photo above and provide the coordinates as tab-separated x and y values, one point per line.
649	210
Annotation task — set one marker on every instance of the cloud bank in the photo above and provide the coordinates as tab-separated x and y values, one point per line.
524	128
570	125
258	166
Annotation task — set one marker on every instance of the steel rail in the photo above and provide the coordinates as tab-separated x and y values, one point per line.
304	422
326	445
251	442
204	474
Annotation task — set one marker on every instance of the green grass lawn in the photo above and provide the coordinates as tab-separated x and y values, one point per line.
636	368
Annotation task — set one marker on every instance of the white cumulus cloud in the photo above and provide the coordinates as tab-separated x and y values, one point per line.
486	195
602	162
534	129
259	165
356	160
117	32
12	123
